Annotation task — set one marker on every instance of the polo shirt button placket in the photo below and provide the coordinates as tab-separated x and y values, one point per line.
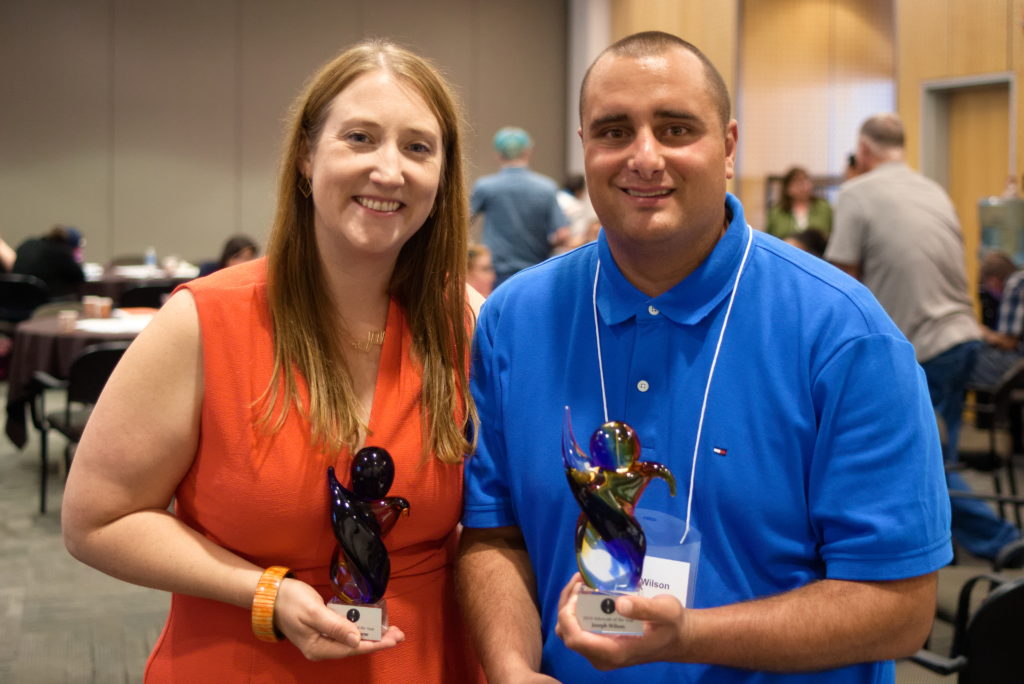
643	385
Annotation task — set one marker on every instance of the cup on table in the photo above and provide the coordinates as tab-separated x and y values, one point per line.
66	320
90	306
96	307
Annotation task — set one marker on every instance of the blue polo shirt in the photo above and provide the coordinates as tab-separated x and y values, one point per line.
819	456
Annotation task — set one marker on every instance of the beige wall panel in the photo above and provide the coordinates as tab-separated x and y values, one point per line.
978	38
154	123
632	16
175	99
862	80
923	44
785	96
532	94
978	142
811	71
55	117
953	38
272	69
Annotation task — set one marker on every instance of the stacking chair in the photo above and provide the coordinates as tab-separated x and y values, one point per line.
986	646
20	294
88	374
1008	563
993	407
151	295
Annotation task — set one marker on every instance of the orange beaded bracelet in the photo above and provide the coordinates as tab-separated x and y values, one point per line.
263	603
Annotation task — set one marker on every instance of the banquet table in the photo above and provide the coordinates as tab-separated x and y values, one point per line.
114	282
41	345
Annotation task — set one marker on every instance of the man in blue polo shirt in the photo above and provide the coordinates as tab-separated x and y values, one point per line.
811	512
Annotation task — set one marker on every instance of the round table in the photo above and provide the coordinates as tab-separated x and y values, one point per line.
40	345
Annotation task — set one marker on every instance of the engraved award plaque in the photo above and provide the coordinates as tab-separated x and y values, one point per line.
361	518
610	544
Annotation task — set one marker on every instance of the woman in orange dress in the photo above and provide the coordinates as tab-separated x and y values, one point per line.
248	384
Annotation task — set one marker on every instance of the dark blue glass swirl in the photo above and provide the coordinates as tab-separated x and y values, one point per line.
361	517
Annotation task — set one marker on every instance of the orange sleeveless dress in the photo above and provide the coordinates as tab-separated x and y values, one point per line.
264	497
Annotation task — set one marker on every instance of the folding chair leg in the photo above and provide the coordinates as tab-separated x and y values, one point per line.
43	471
1011	478
997	485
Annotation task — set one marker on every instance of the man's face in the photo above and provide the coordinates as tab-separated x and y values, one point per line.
656	155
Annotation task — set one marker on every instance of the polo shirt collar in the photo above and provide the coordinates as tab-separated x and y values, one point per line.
689	301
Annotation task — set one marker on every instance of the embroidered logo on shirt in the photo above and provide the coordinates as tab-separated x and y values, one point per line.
719	451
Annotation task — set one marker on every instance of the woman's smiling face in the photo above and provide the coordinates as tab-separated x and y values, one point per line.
375	167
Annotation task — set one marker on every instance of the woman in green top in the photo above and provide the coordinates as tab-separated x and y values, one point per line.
799	209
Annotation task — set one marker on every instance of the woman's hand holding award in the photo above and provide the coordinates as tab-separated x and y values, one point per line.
361	517
610	544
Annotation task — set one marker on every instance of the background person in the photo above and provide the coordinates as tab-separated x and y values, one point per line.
480	273
237	250
575	204
996	268
7	257
248	384
810	240
522	219
799	463
54	258
798	208
898	232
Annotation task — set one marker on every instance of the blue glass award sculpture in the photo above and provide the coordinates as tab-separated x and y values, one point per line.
610	544
361	518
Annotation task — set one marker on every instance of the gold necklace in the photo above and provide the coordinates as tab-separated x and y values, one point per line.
374	338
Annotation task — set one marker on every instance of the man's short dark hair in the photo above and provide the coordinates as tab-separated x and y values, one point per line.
656	43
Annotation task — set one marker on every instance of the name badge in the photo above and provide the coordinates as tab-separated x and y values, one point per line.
665	576
670	567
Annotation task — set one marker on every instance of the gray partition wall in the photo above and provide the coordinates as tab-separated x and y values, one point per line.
159	123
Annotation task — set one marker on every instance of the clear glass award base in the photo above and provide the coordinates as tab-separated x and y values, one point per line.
371	619
595	612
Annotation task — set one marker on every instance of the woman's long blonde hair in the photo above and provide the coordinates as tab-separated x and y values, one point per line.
428	280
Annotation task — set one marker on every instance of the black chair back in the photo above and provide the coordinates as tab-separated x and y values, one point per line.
20	294
151	295
992	642
91	369
88	375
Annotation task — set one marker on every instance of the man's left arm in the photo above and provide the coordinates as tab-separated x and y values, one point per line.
826	624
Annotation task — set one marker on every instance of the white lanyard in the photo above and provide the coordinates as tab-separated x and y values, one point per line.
711	371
